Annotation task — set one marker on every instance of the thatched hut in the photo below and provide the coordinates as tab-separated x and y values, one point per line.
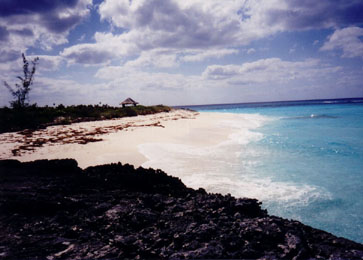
129	101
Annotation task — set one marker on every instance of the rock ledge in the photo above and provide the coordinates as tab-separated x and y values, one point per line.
55	210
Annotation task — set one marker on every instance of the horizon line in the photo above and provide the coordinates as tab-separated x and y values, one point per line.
266	102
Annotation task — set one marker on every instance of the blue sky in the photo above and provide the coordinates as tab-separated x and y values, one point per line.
177	52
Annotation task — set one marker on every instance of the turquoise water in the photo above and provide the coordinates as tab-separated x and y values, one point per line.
316	147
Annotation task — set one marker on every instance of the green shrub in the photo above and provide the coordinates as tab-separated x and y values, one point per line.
34	117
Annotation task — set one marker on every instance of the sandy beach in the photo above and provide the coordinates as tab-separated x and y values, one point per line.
109	141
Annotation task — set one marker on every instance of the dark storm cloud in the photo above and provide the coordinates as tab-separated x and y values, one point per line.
47	9
21	7
312	14
44	22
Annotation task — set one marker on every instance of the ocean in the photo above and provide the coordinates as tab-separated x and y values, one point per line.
302	159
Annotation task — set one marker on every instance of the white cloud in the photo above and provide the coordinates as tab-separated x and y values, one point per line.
292	15
179	24
207	54
195	30
109	46
161	33
197	23
249	81
166	33
161	58
87	53
44	24
47	91
47	63
131	78
348	40
251	51
273	70
106	48
150	87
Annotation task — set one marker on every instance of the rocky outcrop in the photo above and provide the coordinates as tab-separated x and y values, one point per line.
55	210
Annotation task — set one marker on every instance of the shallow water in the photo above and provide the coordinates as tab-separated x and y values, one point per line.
302	161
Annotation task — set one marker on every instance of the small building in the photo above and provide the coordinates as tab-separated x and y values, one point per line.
129	101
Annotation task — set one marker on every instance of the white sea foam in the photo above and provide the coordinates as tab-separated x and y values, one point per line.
226	167
244	124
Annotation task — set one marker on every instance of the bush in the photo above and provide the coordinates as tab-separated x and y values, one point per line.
33	117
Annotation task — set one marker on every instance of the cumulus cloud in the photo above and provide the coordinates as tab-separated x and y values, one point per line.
177	24
273	70
107	46
11	69
150	87
175	31
240	21
47	63
44	22
196	24
251	51
219	83
47	91
57	16
203	55
195	30
349	40
145	80
310	14
161	58
166	33
270	71
167	58
156	85
7	55
172	30
87	54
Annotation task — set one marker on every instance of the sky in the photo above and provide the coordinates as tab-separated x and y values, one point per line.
183	52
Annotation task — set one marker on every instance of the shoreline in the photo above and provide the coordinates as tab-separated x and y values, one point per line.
198	148
118	140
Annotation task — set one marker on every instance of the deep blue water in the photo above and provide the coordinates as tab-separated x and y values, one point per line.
318	147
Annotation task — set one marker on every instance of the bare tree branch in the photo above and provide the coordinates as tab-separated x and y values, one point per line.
9	88
21	94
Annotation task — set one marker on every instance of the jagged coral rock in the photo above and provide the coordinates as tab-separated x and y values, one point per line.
55	210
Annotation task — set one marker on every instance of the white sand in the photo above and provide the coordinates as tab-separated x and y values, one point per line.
120	137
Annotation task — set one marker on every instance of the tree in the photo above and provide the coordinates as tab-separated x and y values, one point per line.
21	91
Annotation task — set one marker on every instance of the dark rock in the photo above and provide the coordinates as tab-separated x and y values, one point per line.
55	210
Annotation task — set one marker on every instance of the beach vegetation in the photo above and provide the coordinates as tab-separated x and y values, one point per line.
35	117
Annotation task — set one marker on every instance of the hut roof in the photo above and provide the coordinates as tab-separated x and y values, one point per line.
128	101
